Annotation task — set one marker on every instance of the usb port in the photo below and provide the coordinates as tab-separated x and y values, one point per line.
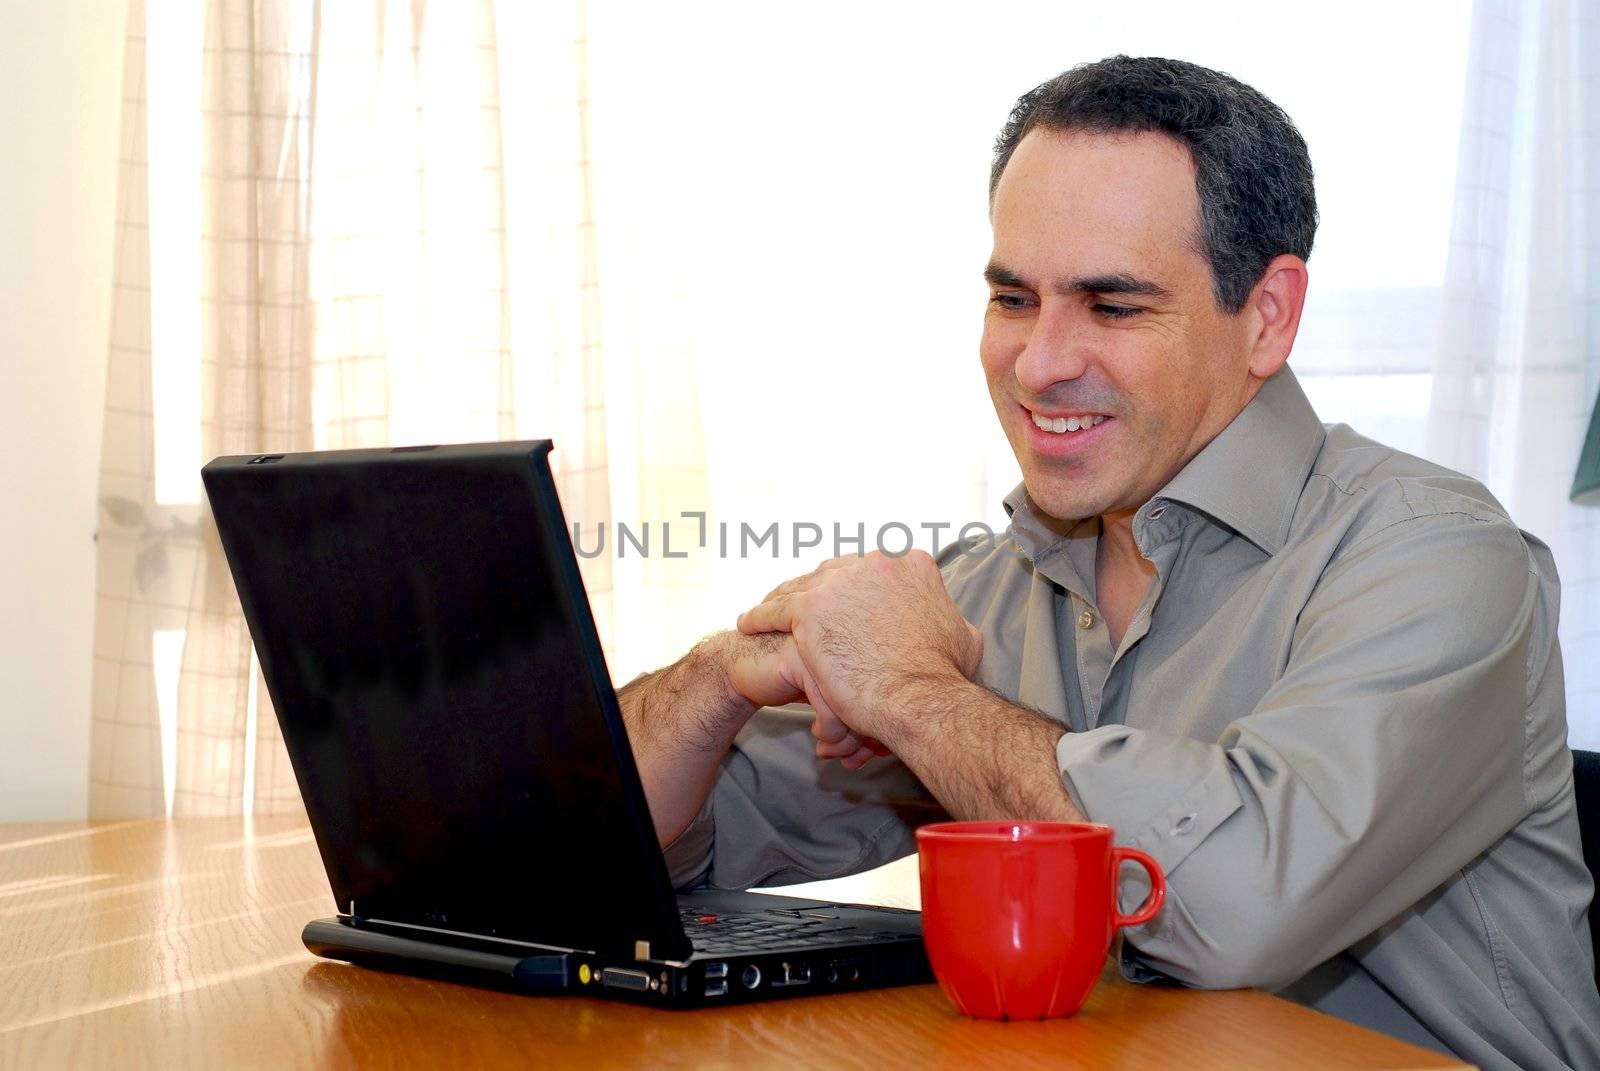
716	970
717	989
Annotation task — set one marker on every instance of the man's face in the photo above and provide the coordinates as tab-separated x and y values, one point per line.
1101	318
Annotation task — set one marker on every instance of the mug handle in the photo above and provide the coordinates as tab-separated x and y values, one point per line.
1158	887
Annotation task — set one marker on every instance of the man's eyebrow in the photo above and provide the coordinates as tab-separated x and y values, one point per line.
1115	283
995	275
1120	283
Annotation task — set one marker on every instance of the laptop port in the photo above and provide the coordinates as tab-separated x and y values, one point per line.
622	978
716	970
717	989
793	974
751	977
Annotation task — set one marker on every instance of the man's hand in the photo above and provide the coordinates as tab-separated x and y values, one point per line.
682	719
869	631
766	670
890	657
725	678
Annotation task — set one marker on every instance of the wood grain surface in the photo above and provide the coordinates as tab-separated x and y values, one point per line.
177	944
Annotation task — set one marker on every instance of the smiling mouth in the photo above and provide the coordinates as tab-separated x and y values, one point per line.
1066	425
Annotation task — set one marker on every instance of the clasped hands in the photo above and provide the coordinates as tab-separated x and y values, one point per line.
854	638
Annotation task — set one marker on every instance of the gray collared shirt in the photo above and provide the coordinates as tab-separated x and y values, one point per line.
1336	720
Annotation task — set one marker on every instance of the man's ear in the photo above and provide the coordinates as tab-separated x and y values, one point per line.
1276	304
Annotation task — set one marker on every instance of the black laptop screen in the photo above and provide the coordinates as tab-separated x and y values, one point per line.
434	668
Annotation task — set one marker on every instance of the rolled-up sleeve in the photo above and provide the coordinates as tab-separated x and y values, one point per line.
1389	753
778	814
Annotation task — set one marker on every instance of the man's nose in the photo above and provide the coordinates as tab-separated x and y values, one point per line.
1054	353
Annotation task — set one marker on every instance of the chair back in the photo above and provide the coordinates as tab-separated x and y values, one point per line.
1586	780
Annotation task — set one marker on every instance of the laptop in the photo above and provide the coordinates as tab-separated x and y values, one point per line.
429	649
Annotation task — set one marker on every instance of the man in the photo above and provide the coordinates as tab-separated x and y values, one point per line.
1317	679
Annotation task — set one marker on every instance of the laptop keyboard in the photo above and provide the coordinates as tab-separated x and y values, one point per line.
720	934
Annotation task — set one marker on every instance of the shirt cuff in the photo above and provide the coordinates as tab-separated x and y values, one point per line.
688	857
1161	794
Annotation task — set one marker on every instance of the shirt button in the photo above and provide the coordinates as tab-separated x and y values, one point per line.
1156	513
1086	619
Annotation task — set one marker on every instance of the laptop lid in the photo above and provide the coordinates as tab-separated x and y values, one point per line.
426	640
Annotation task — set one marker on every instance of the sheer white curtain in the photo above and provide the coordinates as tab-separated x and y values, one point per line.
350	224
1518	362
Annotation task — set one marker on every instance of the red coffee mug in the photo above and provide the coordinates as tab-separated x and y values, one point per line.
1018	916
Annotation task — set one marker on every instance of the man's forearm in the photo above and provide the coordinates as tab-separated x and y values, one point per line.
980	756
681	721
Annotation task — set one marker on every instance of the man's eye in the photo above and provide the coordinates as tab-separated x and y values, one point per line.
1010	302
1116	312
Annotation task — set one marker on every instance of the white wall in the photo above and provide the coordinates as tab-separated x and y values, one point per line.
60	119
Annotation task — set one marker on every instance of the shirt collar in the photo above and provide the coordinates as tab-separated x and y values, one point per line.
1248	478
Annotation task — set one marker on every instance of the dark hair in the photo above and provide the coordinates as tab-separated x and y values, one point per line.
1252	171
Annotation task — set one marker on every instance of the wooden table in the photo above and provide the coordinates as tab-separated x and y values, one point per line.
177	944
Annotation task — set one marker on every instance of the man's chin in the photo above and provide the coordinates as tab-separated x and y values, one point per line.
1067	506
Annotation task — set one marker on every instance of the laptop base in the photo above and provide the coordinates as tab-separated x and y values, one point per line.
859	961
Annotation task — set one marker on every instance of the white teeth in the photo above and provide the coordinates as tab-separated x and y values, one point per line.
1062	425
